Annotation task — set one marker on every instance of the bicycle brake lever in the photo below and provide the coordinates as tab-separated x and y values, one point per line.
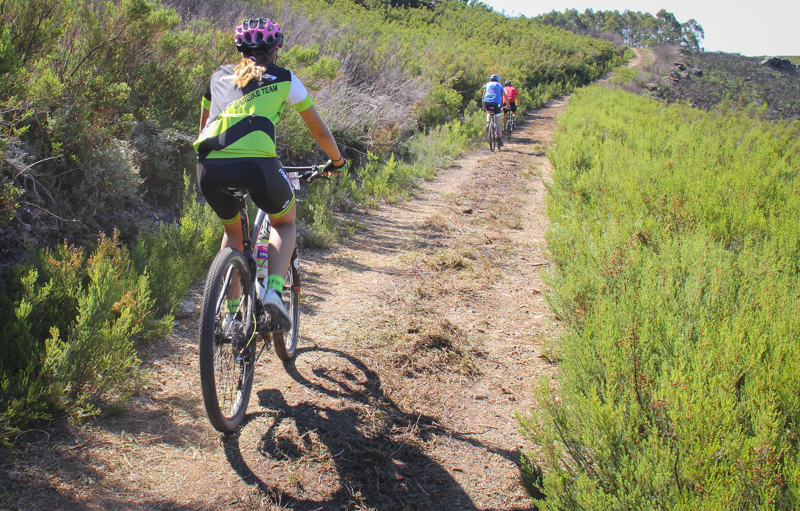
311	175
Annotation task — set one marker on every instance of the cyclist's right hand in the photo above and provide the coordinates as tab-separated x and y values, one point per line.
331	168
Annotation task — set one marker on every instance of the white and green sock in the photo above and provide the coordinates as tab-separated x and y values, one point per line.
232	305
276	282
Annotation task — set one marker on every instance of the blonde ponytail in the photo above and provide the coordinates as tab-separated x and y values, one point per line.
246	71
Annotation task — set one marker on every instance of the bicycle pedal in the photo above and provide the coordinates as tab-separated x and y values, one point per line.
272	326
278	326
244	356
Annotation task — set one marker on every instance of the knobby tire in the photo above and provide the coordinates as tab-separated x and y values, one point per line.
286	342
490	134
226	366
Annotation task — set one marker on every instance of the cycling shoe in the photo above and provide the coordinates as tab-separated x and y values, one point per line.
274	305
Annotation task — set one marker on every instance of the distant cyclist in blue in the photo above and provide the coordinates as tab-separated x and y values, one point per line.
493	99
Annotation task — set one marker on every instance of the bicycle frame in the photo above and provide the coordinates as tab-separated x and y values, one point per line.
310	174
231	342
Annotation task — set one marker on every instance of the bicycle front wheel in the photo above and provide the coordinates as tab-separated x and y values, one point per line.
226	341
286	342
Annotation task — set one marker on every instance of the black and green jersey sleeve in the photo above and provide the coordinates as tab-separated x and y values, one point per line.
241	122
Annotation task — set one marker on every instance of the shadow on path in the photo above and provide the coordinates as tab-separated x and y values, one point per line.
376	448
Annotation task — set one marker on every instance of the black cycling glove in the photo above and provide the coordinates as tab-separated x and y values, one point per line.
331	167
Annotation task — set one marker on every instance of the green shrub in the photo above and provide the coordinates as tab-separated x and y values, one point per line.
676	249
9	60
443	104
8	203
95	359
69	343
176	255
164	157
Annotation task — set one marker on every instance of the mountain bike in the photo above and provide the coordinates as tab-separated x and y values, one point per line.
491	133
510	125
233	337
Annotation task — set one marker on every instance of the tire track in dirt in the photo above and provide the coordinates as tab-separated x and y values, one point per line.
421	336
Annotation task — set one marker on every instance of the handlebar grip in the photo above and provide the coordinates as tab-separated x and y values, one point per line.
311	175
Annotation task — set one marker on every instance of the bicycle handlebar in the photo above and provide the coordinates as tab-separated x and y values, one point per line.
309	173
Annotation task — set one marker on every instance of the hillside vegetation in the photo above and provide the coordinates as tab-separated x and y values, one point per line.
100	105
115	86
771	83
706	79
676	250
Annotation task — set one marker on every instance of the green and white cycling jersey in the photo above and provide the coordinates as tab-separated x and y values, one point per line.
241	122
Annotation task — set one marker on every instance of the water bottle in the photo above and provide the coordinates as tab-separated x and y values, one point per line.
262	249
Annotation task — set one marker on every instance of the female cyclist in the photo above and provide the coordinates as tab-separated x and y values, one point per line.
236	147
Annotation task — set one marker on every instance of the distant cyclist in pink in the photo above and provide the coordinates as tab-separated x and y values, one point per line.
236	146
511	104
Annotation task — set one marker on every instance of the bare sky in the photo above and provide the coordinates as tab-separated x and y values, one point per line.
767	27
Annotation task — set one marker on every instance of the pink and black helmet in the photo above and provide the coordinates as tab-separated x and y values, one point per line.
257	35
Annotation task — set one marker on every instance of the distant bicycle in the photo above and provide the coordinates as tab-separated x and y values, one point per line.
491	134
231	342
511	122
509	127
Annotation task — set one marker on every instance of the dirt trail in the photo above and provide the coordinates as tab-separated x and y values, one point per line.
421	337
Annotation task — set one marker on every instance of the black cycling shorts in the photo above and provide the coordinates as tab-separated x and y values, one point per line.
494	108
264	178
511	106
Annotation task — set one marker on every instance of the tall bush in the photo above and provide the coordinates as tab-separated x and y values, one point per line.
73	319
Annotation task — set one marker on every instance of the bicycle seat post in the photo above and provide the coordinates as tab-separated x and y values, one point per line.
246	242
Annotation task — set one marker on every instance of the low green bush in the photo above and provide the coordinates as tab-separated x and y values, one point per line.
176	255
76	352
675	239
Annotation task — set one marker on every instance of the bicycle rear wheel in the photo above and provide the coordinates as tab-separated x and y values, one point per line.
226	338
508	130
286	342
490	136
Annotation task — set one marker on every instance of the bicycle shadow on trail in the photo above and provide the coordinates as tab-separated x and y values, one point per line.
351	444
523	139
